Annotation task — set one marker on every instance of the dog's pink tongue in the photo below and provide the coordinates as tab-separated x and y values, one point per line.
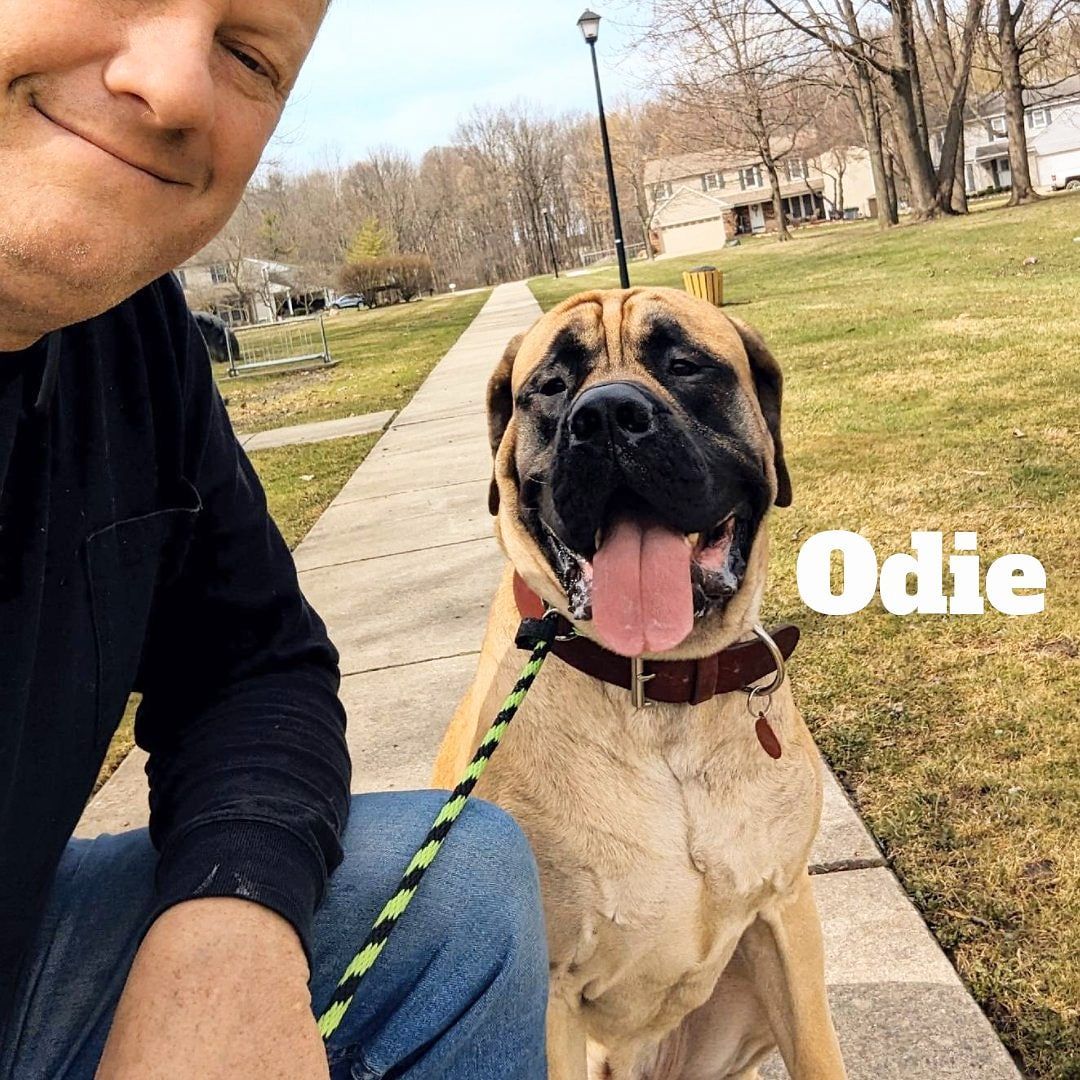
643	598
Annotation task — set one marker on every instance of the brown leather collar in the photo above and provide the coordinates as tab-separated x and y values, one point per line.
680	682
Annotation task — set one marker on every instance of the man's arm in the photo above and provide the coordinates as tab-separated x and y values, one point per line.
249	771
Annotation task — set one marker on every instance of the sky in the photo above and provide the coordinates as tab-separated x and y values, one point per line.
403	74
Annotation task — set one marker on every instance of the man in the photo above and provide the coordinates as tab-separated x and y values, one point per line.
136	552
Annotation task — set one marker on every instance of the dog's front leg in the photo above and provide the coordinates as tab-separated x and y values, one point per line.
785	959
567	1043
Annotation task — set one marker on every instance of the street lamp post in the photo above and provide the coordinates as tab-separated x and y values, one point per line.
551	238
590	28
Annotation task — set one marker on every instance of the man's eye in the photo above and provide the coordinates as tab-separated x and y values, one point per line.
249	61
683	367
553	387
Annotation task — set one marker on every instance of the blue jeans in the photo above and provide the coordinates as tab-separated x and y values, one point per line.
459	992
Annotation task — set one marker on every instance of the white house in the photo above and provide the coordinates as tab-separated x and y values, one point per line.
1052	120
700	201
239	290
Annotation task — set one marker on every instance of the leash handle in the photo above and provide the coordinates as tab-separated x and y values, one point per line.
541	634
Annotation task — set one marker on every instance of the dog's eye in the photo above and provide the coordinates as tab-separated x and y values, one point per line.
681	366
553	387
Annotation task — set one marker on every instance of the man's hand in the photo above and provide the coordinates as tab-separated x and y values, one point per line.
218	991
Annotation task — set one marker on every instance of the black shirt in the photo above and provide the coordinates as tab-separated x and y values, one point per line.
136	552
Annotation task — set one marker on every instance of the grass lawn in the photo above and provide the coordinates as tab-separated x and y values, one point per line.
933	383
384	357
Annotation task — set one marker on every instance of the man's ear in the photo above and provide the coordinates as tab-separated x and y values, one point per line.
769	383
500	407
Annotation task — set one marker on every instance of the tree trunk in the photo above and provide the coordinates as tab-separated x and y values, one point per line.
951	147
910	117
917	164
959	190
1013	85
866	108
890	189
782	231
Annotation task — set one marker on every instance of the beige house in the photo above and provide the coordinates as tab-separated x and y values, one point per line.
701	201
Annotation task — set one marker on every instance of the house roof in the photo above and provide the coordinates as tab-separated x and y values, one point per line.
684	166
992	105
764	194
698	163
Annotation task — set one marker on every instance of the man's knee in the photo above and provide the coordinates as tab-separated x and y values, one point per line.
474	931
483	886
495	872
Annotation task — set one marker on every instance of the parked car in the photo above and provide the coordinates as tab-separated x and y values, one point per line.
218	336
352	300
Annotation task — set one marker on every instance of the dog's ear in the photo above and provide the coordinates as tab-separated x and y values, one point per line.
500	407
769	383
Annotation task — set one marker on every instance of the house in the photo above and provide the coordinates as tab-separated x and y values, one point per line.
244	290
700	201
1052	120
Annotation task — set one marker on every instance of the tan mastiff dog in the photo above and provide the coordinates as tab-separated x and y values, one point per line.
637	455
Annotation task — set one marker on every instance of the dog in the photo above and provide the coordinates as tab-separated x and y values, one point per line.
221	343
638	452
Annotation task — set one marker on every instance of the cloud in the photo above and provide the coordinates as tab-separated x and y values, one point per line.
406	74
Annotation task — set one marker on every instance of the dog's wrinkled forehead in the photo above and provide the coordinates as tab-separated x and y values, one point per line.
611	333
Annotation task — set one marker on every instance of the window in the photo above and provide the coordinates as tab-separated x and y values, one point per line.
1039	118
796	170
219	274
750	177
998	130
662	190
712	181
969	178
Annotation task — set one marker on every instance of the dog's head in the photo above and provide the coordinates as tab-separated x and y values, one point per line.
637	453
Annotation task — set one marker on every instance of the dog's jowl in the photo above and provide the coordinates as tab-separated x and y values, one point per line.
638	454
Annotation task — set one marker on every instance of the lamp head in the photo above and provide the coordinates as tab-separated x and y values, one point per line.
590	26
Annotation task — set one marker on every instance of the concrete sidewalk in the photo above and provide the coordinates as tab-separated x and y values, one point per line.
319	431
403	566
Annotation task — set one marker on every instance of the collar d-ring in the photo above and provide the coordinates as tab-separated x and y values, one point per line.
778	659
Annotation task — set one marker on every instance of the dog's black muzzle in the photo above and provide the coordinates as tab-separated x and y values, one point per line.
621	449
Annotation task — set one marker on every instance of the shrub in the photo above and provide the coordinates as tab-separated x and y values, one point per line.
388	278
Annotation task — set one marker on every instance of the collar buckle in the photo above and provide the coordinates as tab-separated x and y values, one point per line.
638	682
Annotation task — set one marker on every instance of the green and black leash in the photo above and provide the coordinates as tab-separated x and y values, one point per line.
537	634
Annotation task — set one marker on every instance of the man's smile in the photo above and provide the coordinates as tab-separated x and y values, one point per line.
106	147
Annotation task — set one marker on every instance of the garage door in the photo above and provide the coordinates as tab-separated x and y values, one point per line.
690	239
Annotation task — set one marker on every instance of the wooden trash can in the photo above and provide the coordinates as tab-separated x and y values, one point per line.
706	283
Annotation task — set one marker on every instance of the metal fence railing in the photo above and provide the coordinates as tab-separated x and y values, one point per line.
292	342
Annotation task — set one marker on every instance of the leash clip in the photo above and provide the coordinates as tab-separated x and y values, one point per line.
638	682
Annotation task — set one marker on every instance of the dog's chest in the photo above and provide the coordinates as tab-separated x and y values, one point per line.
655	853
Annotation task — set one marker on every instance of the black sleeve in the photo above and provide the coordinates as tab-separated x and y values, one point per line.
249	770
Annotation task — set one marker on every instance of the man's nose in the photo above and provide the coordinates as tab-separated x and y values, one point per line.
166	66
616	412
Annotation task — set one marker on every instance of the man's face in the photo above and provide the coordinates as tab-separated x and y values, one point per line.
128	132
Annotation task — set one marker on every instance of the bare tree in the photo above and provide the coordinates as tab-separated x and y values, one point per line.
736	71
640	134
887	55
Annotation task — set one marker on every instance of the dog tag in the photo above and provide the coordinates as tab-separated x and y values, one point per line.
767	737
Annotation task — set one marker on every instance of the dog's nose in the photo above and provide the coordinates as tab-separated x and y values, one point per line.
617	411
